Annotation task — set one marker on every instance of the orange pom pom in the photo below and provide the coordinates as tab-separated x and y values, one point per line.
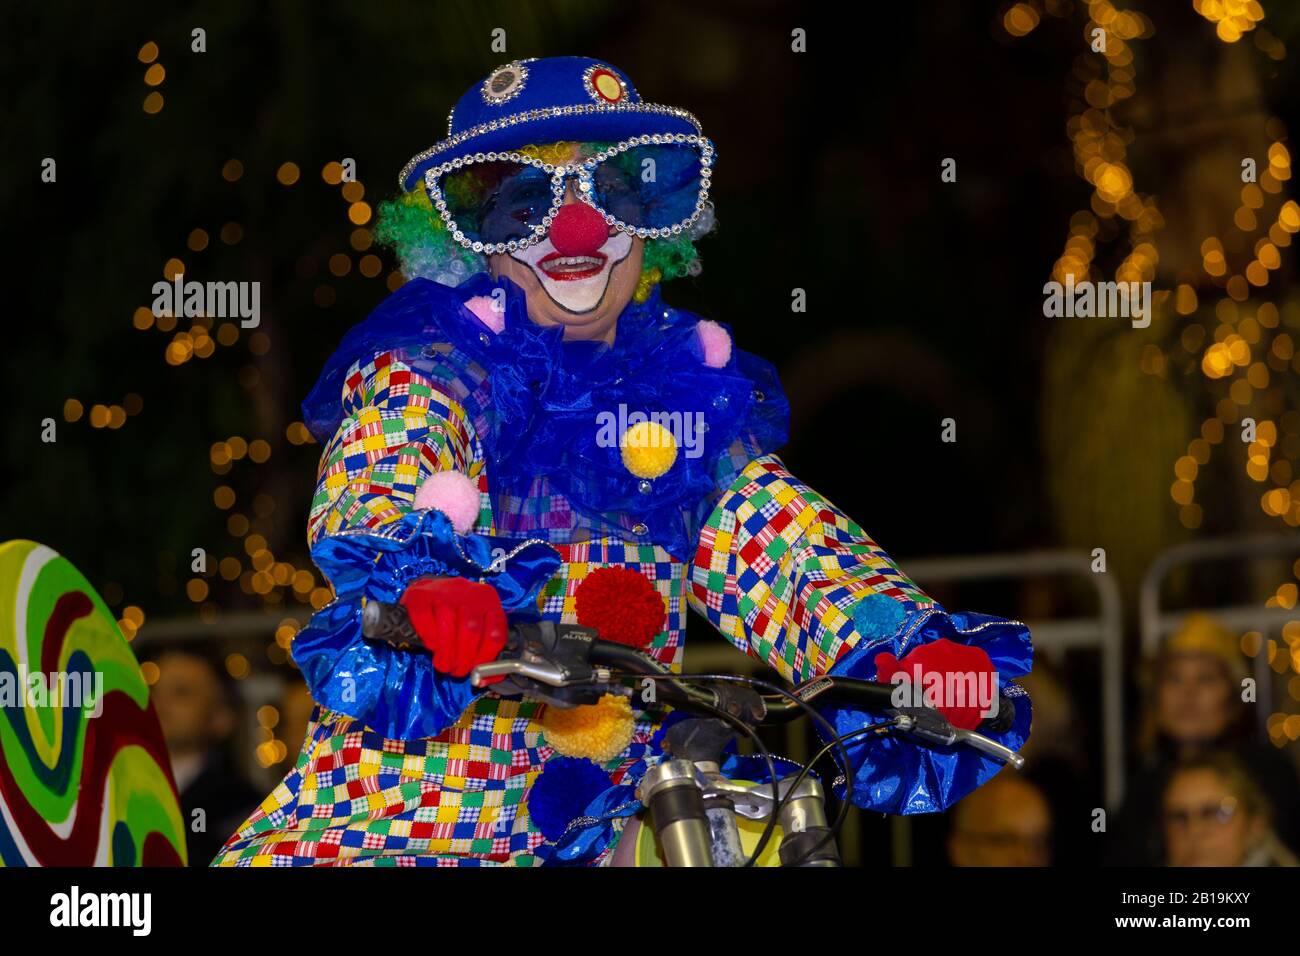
599	731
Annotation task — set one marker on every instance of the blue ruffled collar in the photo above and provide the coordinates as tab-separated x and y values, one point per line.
548	399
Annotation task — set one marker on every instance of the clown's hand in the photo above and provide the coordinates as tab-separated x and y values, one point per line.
461	622
958	680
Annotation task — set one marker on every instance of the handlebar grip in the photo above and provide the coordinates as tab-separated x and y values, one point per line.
1005	718
388	622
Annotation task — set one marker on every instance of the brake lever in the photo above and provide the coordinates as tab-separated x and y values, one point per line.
932	727
543	672
546	661
991	747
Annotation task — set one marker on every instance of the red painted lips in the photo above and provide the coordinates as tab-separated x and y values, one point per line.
563	268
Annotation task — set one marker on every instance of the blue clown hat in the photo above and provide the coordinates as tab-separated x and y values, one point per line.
548	100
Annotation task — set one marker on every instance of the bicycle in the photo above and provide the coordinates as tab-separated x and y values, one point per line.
694	809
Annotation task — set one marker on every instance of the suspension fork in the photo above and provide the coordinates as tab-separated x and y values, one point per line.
673	791
803	822
694	811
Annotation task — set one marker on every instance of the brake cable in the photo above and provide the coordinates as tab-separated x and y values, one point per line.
778	800
752	733
843	813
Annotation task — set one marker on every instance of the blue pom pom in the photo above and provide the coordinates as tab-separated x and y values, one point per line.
878	615
564	789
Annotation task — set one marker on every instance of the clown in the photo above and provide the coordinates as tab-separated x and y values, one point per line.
525	429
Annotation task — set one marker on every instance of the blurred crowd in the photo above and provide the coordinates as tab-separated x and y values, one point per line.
1203	787
202	712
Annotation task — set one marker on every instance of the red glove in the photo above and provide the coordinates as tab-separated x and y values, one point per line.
461	622
963	707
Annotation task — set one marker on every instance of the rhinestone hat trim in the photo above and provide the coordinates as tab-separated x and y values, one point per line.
530	116
584	172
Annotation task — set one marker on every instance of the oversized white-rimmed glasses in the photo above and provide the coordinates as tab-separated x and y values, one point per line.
649	186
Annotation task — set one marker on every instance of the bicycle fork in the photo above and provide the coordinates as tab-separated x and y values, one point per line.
694	810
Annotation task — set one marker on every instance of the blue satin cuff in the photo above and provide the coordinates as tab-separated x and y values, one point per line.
398	693
892	774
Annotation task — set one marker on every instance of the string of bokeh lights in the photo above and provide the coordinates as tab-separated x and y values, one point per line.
251	565
1248	355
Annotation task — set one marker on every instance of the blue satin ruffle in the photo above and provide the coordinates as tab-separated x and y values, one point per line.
549	399
397	692
893	774
590	833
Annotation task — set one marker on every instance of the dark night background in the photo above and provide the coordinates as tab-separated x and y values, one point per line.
924	298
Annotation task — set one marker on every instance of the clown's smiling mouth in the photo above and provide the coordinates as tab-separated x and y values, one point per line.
563	268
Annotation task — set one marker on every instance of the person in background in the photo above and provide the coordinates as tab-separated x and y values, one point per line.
194	700
1005	823
1055	762
1215	815
1193	706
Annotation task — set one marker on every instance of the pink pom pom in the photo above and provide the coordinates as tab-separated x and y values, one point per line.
452	493
487	311
715	342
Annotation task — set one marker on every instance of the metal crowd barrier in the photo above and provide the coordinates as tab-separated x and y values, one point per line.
1052	638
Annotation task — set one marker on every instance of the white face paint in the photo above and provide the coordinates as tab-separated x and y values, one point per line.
575	283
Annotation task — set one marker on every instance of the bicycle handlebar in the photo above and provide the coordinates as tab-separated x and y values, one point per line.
565	664
388	622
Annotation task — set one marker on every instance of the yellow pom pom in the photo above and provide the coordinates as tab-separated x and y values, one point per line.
599	731
648	449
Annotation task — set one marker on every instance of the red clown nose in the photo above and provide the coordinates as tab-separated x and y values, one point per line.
578	230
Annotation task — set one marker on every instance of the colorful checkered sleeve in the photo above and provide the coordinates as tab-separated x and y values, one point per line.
399	426
779	571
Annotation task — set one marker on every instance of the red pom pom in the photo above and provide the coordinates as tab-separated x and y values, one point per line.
622	605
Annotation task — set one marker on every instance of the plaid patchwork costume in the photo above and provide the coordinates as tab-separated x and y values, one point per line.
776	568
